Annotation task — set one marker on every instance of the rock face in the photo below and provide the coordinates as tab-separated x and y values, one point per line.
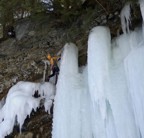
22	59
39	125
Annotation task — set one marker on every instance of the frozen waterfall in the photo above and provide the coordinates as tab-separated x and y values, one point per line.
105	98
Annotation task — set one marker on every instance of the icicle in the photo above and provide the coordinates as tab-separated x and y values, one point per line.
98	76
45	68
67	119
98	64
142	13
142	8
125	18
134	67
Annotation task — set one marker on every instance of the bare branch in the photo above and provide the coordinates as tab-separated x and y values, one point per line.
102	6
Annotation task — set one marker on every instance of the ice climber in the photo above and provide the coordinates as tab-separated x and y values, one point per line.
53	66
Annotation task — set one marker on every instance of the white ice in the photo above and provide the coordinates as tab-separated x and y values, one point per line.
71	106
103	99
109	88
134	66
20	102
125	16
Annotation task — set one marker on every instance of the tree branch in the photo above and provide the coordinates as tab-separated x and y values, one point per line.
101	6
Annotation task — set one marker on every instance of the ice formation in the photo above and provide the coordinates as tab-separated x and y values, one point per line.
103	99
20	102
125	18
110	87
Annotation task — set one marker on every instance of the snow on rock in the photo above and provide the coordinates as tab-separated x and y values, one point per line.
20	102
48	105
18	105
47	90
29	88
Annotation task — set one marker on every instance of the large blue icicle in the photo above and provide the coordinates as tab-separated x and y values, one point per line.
98	78
98	65
66	123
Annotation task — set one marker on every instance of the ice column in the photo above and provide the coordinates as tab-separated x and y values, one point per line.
66	122
134	66
98	77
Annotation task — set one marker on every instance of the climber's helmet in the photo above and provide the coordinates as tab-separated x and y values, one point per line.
49	56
